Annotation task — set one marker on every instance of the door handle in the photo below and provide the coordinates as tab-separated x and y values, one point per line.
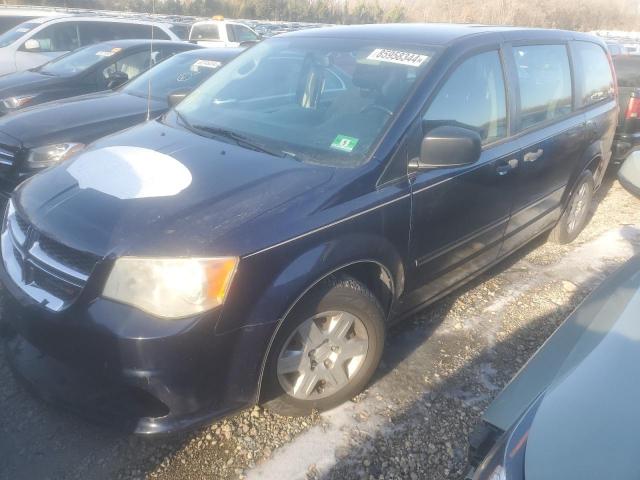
592	130
506	167
533	156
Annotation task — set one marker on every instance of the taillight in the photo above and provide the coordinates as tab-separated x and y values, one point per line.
633	109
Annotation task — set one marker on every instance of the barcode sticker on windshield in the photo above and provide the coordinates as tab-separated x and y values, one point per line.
397	56
206	64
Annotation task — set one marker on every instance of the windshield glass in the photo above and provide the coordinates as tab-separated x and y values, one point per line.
320	100
17	32
179	73
78	61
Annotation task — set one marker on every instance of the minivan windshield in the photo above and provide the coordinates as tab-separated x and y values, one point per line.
79	60
321	100
17	32
179	73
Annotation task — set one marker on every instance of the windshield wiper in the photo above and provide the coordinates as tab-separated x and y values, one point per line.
239	139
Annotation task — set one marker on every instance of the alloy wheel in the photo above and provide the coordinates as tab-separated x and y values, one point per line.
322	355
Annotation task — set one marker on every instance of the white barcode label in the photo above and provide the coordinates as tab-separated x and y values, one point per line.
398	56
206	64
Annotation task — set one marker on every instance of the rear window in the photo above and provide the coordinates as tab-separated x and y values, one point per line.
205	32
628	71
545	83
596	79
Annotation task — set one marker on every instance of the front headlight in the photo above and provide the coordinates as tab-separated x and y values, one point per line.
42	157
171	288
13	103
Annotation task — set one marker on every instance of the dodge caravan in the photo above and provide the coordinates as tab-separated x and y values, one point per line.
254	243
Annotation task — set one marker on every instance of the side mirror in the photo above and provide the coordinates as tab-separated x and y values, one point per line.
176	97
629	174
449	146
32	45
116	79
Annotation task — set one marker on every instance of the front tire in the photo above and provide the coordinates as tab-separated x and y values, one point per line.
327	350
576	215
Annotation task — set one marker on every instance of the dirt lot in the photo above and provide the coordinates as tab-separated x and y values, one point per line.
439	372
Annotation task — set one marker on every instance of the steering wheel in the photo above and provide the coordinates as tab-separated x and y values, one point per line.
380	108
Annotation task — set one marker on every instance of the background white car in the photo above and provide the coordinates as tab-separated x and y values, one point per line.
221	33
37	41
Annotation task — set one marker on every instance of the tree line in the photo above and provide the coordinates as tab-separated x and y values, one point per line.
321	11
575	15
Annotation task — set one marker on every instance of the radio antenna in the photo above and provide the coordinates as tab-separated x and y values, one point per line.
153	13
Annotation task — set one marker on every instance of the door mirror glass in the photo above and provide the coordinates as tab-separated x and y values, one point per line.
32	45
176	97
116	79
450	146
629	174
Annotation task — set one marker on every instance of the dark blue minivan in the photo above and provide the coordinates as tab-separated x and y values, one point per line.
254	244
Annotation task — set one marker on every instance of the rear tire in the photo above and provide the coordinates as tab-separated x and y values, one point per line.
576	215
327	350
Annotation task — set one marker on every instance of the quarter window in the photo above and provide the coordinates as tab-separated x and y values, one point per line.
544	76
473	97
596	81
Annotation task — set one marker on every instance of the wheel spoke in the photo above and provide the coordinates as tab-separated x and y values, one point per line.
306	383
353	348
291	362
340	326
337	376
311	334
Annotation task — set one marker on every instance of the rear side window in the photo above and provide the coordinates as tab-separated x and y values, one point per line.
596	79
544	76
628	71
473	97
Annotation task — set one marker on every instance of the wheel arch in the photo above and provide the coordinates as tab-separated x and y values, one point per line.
365	269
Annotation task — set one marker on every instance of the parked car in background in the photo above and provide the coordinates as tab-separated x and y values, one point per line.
616	49
95	68
254	243
10	17
222	33
40	40
35	138
627	138
571	412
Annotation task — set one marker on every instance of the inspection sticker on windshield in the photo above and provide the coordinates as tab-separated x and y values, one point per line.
205	64
344	143
397	56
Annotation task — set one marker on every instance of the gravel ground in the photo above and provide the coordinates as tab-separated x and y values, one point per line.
440	370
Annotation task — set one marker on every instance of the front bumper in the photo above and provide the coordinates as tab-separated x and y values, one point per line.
112	363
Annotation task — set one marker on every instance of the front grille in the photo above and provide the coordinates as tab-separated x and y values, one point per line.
80	261
7	156
48	271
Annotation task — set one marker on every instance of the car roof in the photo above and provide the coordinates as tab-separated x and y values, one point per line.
219	54
427	33
99	18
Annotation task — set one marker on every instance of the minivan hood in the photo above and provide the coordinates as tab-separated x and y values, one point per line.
85	118
168	192
587	424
